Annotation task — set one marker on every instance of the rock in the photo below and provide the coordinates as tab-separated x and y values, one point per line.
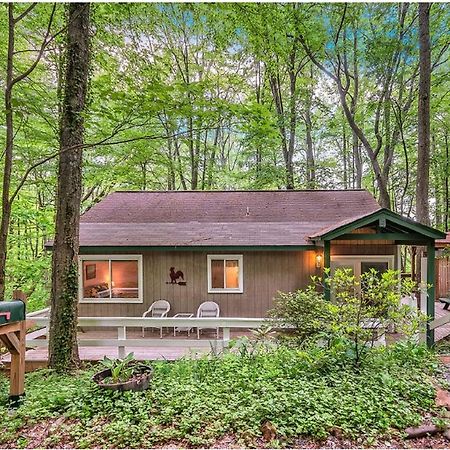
445	359
269	431
446	434
442	398
422	431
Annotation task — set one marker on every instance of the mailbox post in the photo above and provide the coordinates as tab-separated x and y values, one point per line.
13	328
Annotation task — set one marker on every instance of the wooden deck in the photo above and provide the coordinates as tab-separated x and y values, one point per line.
443	331
189	346
38	357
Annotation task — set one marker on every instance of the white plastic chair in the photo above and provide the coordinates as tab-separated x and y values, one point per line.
208	309
160	308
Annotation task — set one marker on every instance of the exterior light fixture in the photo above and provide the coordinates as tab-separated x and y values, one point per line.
318	260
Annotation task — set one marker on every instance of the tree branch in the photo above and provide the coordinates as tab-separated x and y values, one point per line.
25	13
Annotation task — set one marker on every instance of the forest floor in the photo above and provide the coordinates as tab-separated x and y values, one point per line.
280	398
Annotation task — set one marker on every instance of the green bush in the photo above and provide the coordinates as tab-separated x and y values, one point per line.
306	311
342	323
196	402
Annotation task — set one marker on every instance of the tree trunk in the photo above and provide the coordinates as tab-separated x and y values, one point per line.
63	349
423	126
446	182
7	169
310	163
358	161
353	105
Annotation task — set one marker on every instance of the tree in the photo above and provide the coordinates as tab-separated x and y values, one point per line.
12	79
63	349
423	117
337	68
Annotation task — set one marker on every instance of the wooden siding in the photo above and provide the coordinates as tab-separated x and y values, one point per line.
442	277
361	247
265	273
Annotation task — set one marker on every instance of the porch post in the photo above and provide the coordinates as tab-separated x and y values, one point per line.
430	291
326	265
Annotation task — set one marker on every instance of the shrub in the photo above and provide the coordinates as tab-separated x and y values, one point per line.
304	310
359	312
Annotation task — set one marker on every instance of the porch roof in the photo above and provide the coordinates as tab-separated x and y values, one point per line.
388	225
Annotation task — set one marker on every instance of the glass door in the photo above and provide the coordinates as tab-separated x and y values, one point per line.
361	264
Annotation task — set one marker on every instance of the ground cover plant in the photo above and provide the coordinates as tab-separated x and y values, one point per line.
312	392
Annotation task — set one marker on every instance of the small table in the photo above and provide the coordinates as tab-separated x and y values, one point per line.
446	302
178	329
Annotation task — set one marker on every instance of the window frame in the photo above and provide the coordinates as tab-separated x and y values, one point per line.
225	258
109	259
356	261
390	259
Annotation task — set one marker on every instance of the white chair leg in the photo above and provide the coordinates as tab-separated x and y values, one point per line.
160	333
198	333
143	332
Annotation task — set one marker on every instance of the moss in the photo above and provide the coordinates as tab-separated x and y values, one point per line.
63	356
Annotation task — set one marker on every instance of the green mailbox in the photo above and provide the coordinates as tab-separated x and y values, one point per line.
11	311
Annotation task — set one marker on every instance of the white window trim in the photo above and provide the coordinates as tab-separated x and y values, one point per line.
137	258
239	290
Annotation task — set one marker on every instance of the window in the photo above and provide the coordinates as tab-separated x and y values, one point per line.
111	279
379	266
360	264
225	273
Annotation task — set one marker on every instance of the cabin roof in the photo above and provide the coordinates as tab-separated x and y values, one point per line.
443	243
219	218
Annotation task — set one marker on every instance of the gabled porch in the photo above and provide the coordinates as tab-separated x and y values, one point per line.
383	232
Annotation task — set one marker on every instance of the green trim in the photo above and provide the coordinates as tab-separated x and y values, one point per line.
85	250
430	291
381	215
385	236
414	242
327	265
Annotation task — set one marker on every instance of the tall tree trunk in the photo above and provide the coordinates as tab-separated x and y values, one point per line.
344	157
446	182
353	105
310	163
7	169
358	160
423	125
63	348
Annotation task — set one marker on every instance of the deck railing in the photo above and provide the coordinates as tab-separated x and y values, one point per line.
224	324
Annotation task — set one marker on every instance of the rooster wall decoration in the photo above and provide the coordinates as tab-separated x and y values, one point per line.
175	276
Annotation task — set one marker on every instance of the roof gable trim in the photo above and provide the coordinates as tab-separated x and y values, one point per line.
383	216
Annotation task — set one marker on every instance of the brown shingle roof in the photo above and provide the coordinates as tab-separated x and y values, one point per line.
219	218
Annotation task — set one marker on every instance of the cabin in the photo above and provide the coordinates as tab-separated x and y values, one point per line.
236	248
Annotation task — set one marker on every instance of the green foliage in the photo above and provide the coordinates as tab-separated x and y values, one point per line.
197	402
185	93
306	311
121	369
361	310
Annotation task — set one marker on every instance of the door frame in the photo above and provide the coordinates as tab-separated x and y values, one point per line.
354	259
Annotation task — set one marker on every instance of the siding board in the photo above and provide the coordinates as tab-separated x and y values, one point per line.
265	273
